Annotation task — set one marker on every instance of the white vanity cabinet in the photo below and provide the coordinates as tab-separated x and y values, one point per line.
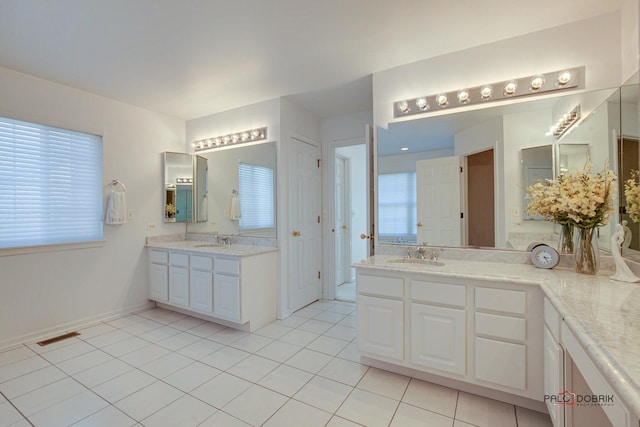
238	291
553	364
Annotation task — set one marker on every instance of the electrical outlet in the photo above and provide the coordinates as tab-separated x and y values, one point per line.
151	226
130	214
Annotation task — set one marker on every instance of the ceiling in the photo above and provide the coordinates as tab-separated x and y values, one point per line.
198	57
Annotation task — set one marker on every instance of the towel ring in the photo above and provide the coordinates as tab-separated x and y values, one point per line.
115	183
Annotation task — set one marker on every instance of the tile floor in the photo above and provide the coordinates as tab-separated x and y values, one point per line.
161	368
346	292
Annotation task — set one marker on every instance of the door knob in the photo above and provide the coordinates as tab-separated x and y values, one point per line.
296	234
345	227
419	224
364	236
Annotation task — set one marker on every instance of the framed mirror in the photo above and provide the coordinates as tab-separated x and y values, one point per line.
185	187
488	144
242	191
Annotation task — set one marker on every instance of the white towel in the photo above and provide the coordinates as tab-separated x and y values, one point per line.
116	208
234	208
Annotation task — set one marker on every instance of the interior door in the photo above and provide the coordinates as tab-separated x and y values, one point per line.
438	183
304	218
342	220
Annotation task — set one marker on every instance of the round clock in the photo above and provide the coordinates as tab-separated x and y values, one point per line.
544	256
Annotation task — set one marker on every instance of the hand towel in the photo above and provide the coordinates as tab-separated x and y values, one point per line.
116	208
234	208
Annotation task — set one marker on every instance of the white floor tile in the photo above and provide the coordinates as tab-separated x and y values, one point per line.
342	332
144	355
484	412
68	352
221	389
286	380
292	321
158	334
298	414
308	312
107	417
384	383
83	362
95	330
44	397
187	323
350	352
273	331
123	322
251	343
298	337
221	419
40	349
162	315
31	381
69	411
324	394
178	341
342	308
102	373
341	422
278	351
255	405
225	358
327	345
206	329
108	338
432	397
184	412
412	416
371	410
166	365
150	399
200	349
124	385
22	367
350	320
253	368
309	360
344	371
528	418
126	346
315	326
9	414
330	317
458	423
191	376
15	355
228	336
144	326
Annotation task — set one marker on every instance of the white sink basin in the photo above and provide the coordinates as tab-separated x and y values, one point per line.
209	245
414	261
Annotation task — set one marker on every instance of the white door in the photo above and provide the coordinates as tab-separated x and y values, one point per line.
438	201
343	220
305	242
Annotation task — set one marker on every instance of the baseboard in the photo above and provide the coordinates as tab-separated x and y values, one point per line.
71	326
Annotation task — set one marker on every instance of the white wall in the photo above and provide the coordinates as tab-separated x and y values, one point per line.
630	39
43	292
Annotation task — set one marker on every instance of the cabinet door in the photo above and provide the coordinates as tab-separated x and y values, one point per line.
501	363
159	286
553	376
179	286
381	326
201	290
226	296
438	337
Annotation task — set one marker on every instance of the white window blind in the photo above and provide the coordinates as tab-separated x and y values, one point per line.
50	185
397	205
256	196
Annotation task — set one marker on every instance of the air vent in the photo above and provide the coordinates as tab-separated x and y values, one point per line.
58	338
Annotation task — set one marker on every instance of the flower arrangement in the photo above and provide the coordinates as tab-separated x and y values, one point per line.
582	200
170	209
632	196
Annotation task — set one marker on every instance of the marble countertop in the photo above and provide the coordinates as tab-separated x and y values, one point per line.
239	250
603	314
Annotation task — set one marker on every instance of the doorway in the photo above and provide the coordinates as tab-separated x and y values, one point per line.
480	199
350	216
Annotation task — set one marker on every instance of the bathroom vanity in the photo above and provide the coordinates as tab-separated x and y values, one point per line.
510	332
230	284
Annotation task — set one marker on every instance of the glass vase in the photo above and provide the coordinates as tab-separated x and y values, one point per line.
585	250
565	242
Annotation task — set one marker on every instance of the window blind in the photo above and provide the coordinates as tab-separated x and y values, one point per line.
50	185
397	205
256	196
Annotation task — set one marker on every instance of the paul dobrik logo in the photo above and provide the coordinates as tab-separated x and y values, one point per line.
567	398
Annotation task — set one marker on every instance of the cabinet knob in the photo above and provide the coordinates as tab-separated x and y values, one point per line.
296	234
345	227
419	224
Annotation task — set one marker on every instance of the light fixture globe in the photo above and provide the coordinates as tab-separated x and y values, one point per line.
536	83
463	96
510	87
403	107
486	92
441	99
564	78
422	104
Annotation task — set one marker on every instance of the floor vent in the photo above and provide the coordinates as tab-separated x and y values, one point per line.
58	338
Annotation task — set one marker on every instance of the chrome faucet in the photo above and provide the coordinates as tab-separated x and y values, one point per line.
408	253
421	251
434	255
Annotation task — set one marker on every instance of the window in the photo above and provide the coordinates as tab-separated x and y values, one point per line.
397	207
256	197
50	185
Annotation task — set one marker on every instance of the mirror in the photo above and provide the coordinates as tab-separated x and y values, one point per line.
506	135
251	172
185	187
629	156
537	166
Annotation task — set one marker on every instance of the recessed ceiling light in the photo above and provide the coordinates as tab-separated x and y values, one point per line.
404	149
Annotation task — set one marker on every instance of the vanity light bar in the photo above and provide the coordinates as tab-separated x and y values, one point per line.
525	86
564	123
238	138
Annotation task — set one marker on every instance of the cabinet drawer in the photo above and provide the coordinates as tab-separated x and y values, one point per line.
227	266
178	259
201	262
384	286
159	257
501	363
438	293
552	319
492	325
506	301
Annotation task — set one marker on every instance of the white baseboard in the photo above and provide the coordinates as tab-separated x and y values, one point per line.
71	326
